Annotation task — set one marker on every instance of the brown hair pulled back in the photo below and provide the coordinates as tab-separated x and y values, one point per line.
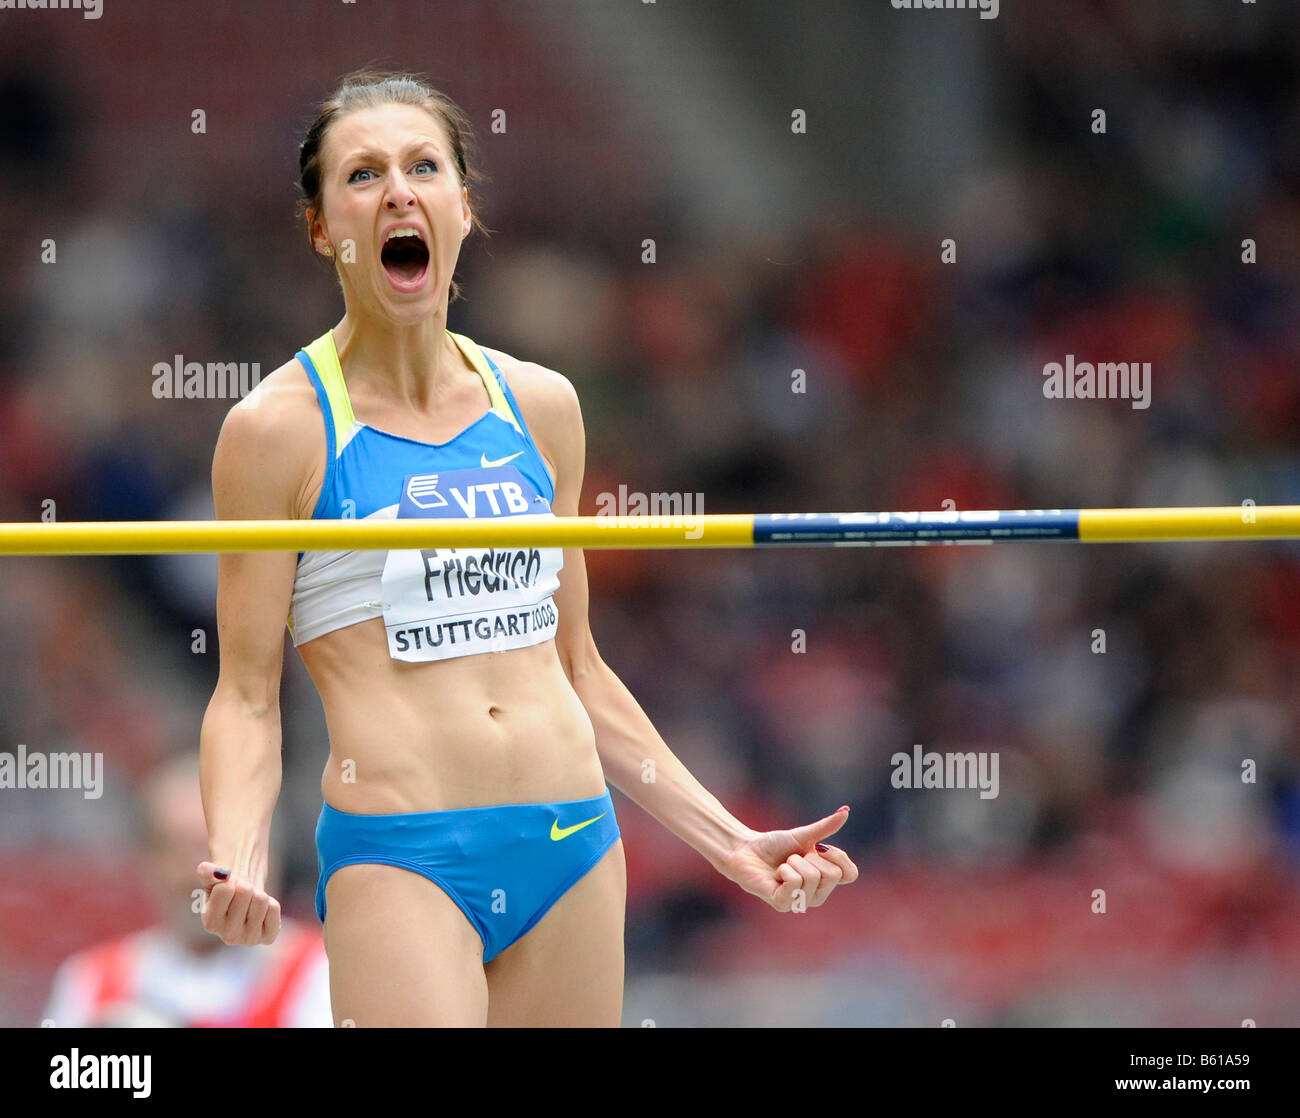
367	89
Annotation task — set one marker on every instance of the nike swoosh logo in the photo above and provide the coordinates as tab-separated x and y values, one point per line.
558	832
487	463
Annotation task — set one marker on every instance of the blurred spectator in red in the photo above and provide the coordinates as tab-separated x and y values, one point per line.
174	974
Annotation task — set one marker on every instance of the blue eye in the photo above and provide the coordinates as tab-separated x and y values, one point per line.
433	167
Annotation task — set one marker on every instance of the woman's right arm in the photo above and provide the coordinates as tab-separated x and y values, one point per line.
257	474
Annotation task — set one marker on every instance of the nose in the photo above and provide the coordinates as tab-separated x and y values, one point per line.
400	195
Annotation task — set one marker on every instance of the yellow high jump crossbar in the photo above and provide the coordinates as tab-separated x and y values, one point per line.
853	529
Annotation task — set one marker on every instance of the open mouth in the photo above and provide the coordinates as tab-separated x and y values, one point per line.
405	259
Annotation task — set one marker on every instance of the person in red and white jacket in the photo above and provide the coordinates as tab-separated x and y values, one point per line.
176	974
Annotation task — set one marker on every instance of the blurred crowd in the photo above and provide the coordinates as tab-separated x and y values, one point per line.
1143	699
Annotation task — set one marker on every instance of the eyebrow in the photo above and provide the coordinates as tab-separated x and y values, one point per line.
378	156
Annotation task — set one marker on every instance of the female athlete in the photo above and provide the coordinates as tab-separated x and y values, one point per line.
471	871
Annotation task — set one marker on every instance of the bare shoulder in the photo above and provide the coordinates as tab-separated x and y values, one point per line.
547	397
272	442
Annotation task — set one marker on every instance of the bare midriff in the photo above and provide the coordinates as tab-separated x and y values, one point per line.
493	728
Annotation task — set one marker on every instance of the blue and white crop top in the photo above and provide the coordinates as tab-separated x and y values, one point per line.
437	603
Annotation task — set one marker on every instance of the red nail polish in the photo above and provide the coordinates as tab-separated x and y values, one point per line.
844	808
822	848
221	875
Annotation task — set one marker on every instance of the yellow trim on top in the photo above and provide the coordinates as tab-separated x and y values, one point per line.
476	357
325	357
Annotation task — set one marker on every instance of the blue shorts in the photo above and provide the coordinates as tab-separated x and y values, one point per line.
504	866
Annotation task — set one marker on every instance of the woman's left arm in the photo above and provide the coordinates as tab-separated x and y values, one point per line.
792	869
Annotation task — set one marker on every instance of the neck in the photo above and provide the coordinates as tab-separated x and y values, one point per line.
413	364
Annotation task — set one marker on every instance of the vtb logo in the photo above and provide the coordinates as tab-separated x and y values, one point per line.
466	493
422	489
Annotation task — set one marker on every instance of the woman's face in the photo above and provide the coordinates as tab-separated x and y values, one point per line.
387	169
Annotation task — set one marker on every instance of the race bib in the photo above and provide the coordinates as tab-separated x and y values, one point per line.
440	603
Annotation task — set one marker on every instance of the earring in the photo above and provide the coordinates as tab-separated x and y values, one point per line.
329	250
